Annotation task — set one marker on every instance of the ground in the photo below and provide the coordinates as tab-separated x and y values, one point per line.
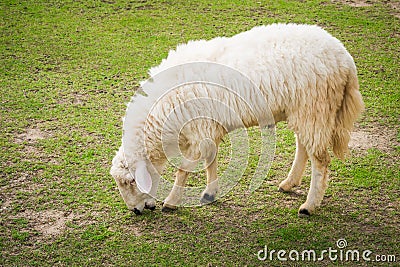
68	69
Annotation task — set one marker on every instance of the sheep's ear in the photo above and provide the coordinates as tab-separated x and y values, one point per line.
142	177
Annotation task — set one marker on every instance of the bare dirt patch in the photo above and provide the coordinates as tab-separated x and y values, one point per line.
383	139
356	3
48	223
29	141
74	98
31	135
394	5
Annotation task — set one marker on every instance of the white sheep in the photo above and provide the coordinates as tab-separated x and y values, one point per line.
301	74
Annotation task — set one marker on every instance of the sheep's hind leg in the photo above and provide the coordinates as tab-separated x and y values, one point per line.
297	170
319	183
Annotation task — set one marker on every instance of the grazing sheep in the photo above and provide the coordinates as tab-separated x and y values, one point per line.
303	76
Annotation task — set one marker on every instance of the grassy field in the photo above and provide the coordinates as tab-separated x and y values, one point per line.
69	67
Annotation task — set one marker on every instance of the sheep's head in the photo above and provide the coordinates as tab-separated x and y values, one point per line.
134	184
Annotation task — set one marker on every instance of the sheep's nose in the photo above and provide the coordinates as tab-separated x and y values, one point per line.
136	211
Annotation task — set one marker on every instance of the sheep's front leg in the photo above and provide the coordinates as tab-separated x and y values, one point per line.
297	170
211	190
209	151
175	196
319	183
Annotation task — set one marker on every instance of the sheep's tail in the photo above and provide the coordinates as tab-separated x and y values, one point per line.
352	107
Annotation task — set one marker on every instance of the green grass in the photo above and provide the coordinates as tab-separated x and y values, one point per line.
68	68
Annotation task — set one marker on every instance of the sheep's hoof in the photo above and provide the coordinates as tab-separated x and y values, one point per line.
207	198
167	209
136	211
280	189
304	213
150	207
285	187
